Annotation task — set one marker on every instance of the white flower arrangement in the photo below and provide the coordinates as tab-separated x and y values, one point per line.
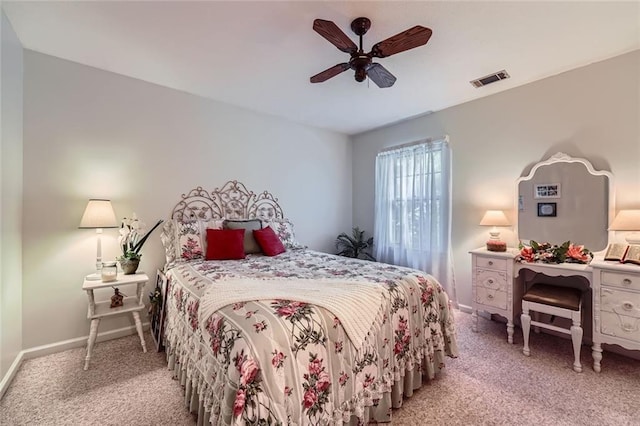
132	237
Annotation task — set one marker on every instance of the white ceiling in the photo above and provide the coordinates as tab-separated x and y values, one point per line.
260	55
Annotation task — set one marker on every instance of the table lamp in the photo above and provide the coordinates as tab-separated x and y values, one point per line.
495	218
628	220
99	214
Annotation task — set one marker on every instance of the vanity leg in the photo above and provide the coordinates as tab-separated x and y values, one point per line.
474	320
597	356
510	331
525	320
576	339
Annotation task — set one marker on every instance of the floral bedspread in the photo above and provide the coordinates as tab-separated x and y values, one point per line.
290	362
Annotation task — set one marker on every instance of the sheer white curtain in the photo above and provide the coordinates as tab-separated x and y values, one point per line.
413	209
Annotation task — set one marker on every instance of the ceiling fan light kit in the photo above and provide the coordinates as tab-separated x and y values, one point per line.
361	62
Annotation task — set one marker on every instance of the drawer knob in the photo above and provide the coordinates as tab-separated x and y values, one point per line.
490	262
490	296
627	306
627	327
626	281
490	281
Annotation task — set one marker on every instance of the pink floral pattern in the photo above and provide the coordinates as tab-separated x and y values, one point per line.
193	313
191	249
316	387
243	347
284	230
189	237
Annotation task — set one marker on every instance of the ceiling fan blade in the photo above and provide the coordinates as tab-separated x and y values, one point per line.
334	35
413	37
330	72
380	76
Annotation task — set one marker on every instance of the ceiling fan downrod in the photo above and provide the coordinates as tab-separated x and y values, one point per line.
359	60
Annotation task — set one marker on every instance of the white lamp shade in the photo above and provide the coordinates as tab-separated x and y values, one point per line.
494	218
626	220
98	214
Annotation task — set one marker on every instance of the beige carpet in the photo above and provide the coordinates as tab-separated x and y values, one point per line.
491	383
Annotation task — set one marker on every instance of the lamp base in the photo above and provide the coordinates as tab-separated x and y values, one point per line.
93	277
633	238
496	245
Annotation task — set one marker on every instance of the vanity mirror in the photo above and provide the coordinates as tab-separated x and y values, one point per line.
565	198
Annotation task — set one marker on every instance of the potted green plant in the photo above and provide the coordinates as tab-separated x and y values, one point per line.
355	245
132	238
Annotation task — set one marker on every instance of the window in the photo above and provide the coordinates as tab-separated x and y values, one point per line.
413	208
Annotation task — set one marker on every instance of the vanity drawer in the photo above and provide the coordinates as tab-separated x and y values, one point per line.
620	302
491	279
491	263
620	279
489	297
620	326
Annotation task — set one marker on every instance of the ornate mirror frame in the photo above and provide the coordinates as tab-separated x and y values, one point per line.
554	194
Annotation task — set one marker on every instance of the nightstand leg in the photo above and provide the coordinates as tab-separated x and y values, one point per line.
93	333
136	319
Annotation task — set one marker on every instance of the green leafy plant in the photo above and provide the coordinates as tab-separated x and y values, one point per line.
132	237
355	245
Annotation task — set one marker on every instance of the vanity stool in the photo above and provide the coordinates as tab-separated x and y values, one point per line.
558	301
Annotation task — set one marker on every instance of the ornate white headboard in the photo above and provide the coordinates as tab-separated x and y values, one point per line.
232	201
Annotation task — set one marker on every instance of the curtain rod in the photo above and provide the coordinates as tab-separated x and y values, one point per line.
408	144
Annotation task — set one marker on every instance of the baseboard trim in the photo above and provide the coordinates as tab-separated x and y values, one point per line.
8	377
79	342
61	346
469	310
464	308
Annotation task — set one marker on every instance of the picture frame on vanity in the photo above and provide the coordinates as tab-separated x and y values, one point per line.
547	209
546	190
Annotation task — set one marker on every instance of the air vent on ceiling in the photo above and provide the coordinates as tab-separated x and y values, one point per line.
491	78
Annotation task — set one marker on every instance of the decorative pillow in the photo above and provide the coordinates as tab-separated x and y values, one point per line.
269	241
189	240
284	230
225	244
250	244
210	224
186	240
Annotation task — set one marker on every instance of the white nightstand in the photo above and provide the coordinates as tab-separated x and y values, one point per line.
132	304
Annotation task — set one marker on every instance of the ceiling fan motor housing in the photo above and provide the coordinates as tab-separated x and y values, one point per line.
359	63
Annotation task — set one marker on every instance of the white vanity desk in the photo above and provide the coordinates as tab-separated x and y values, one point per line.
497	288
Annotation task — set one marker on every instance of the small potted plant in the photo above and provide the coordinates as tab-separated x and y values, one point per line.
355	245
131	239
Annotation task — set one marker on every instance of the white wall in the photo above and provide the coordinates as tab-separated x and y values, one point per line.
10	198
591	112
91	133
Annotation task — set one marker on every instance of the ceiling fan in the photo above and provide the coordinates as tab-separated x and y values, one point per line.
362	63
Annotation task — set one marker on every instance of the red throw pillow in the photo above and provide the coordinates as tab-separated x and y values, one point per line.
225	244
269	241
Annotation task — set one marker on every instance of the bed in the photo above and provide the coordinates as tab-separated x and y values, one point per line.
299	338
